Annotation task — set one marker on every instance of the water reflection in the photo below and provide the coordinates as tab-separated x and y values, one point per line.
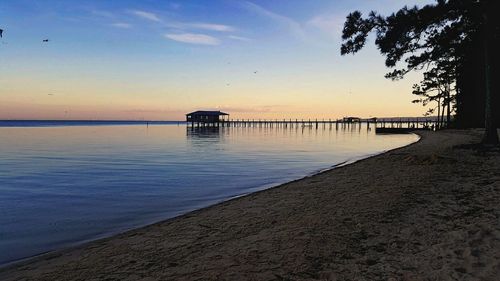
211	132
66	184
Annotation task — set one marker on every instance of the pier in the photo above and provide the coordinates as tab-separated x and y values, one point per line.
381	125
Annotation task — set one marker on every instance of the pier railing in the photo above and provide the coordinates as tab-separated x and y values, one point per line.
387	124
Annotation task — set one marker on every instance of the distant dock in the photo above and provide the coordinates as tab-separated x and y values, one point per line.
381	125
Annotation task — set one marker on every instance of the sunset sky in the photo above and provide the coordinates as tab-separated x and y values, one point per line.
157	60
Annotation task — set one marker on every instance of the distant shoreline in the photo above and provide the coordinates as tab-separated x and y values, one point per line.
59	123
400	214
84	120
247	122
256	119
96	121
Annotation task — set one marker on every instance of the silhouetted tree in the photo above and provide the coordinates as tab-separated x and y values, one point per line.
442	37
436	87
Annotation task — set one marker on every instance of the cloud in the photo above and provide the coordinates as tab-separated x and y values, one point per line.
193	38
293	26
239	38
121	25
146	15
183	25
211	26
330	24
201	25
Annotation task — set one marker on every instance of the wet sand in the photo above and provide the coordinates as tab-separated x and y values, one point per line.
428	211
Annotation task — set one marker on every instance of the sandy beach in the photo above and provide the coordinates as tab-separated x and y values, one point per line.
428	211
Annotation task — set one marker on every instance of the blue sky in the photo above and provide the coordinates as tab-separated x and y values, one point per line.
159	59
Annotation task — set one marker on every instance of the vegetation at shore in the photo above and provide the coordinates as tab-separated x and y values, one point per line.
454	43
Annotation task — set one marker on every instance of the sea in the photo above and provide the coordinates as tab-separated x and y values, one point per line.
63	183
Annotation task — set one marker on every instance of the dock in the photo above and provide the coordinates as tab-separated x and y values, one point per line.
382	125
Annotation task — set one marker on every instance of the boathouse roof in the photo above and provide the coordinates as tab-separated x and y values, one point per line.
207	113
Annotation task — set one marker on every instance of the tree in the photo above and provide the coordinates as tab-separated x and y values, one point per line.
491	136
440	37
436	87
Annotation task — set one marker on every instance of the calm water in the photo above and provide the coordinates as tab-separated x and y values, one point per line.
65	183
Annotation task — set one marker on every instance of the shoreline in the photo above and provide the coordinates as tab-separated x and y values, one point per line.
257	189
263	188
250	216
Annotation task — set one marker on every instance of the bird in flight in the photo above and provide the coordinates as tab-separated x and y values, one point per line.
255	72
1	33
45	40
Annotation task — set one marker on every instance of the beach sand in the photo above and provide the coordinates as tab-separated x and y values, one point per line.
428	211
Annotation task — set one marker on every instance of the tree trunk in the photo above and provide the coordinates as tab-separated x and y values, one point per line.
490	134
441	121
438	124
448	108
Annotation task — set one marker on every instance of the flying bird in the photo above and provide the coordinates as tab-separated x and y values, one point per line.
255	72
45	40
1	33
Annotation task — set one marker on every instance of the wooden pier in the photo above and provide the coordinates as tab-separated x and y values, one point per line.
382	125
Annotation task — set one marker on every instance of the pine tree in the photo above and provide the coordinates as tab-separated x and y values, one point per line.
442	37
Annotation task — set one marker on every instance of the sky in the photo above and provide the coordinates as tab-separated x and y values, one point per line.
158	60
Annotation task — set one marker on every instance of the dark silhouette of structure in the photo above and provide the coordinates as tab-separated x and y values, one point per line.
212	120
351	119
207	118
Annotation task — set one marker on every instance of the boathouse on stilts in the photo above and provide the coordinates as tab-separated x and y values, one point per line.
202	118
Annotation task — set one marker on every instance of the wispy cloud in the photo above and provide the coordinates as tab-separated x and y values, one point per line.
201	26
193	38
183	25
331	24
211	26
239	38
146	15
121	25
293	26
